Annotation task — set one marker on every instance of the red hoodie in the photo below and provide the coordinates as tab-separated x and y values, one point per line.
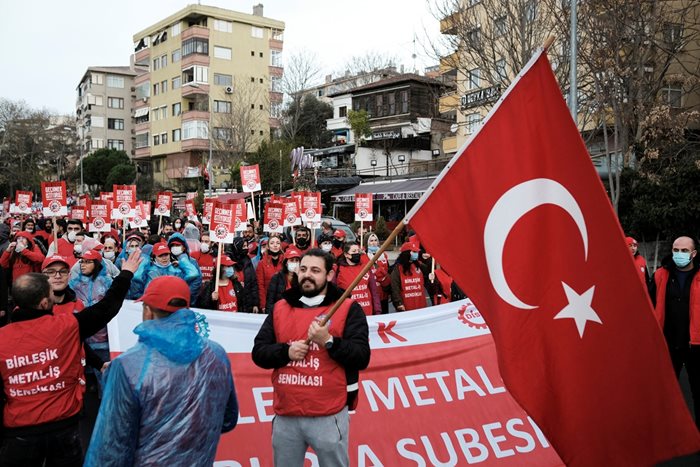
28	260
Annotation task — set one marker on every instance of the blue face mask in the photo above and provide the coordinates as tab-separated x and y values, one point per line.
228	271
681	258
414	256
372	249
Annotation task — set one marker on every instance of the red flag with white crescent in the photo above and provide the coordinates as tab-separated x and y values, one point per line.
542	256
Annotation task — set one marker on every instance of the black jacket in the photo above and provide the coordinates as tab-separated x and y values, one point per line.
250	285
278	284
206	302
351	351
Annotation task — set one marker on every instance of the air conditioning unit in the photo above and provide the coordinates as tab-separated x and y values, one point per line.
228	89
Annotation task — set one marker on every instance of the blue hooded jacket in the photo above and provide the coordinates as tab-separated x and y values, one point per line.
166	400
190	268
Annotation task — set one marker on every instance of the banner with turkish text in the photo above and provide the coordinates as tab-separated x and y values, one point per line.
23	202
250	178
432	394
191	195
106	196
54	199
222	225
311	207
207	208
291	212
79	213
544	257
100	216
124	201
84	201
241	214
274	220
190	210
363	207
139	220
164	202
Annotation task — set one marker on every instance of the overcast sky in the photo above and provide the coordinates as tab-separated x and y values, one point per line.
48	44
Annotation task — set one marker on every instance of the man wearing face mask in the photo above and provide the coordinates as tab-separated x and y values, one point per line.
675	292
325	242
167	230
22	256
66	242
206	259
40	416
365	292
180	250
302	238
134	241
230	295
338	243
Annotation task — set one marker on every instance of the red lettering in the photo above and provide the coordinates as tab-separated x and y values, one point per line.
387	329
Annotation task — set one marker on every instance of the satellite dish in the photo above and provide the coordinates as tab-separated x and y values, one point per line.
453	128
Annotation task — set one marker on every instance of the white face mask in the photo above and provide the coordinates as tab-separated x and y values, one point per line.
109	255
71	236
292	267
204	248
312	301
327	247
78	248
177	250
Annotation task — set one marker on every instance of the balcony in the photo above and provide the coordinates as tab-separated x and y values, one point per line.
192	91
276	71
190	115
340	123
195	31
195	59
194	144
142	153
142	127
143	57
450	24
276	97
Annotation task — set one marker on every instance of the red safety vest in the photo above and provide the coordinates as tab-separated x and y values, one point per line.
206	263
641	265
361	293
227	298
412	294
68	308
315	386
41	365
661	278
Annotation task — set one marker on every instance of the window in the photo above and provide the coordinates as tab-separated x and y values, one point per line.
256	32
96	78
195	129
177	109
223	80
474	37
156	166
320	92
141	140
275	84
391	103
163	138
164	61
95	100
155	114
156	89
156	64
115	144
222	106
115	102
195	74
176	134
473	121
501	69
262	81
671	94
404	102
164	112
261	107
156	140
379	99
276	110
223	134
164	86
114	81
97	143
673	33
195	45
175	30
97	122
176	56
223	26
276	58
222	52
530	11
175	84
499	26
143	90
474	80
261	55
115	123
252	53
343	111
261	132
252	79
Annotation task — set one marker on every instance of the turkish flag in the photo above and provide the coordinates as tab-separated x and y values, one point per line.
542	256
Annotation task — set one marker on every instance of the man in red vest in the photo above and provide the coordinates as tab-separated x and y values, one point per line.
675	292
314	383
41	370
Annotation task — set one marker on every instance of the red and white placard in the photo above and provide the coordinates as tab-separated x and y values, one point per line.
124	201
207	209
291	212
274	218
23	202
139	220
164	202
311	207
250	178
53	199
100	216
221	229
190	210
363	207
79	213
241	214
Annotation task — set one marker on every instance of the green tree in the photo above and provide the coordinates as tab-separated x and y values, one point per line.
310	115
359	124
98	166
121	174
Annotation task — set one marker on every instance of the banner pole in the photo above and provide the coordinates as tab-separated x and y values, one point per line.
362	229
124	231
399	227
55	234
252	197
218	266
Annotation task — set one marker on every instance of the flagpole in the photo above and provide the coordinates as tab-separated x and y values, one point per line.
55	234
218	266
362	229
348	290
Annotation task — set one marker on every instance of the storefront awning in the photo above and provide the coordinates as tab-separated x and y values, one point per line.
399	190
141	112
342	149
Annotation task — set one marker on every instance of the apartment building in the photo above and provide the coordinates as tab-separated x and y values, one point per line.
207	67
103	108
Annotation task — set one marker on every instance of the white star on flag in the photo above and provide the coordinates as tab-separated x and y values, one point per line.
579	308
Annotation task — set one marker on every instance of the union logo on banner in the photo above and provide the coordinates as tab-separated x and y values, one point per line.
250	178
363	207
99	217
273	218
23	202
164	202
311	206
125	201
222	223
54	200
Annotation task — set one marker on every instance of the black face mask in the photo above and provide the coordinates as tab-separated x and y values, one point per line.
355	258
337	243
302	242
274	253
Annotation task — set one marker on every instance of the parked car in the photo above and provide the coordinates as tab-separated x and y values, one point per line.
335	223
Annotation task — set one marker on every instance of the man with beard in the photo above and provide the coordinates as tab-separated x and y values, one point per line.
302	238
315	383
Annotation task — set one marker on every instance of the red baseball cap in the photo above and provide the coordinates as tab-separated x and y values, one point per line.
630	241
93	255
226	261
292	252
160	249
410	246
54	259
339	233
162	290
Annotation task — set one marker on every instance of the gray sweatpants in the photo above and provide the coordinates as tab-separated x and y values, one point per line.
327	436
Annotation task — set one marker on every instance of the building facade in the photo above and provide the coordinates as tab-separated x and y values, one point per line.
212	87
103	108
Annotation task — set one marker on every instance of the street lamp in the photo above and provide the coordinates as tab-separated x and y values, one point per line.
402	159
373	162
